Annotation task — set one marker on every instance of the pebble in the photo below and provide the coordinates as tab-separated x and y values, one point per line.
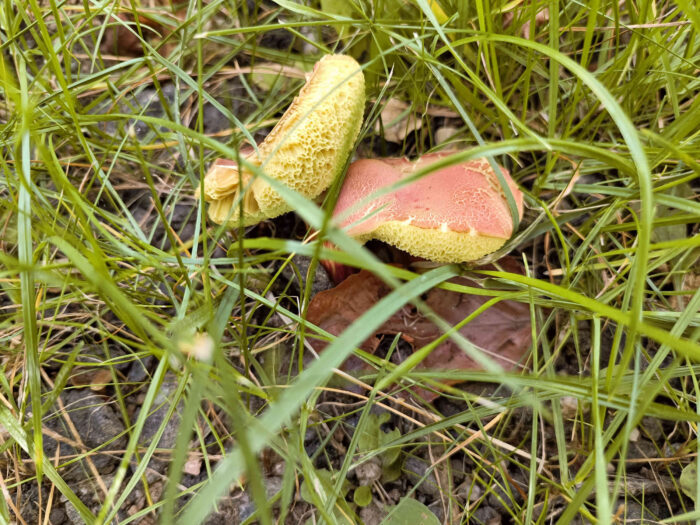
501	499
653	428
227	513
96	422
368	472
57	516
72	514
569	406
301	264
416	468
437	507
485	515
273	485
640	449
458	470
155	419
468	490
246	505
630	511
372	514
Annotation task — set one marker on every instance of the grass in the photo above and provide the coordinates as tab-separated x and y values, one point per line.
104	250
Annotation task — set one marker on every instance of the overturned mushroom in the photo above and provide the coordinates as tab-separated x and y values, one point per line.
454	214
306	150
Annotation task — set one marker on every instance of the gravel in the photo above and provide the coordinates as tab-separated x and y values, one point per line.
96	423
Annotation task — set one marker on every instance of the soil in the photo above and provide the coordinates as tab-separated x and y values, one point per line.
86	416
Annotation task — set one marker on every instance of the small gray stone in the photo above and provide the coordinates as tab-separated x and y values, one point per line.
138	372
96	422
246	507
394	495
501	499
156	419
57	516
642	449
485	515
311	442
273	485
73	515
438	509
368	472
416	468
630	511
458	470
227	513
469	491
244	504
299	268
653	428
569	406
372	514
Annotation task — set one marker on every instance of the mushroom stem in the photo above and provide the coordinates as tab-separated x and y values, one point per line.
337	271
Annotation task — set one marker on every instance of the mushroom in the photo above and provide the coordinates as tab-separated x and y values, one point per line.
453	214
306	150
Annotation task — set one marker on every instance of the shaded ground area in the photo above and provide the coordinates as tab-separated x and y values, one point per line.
471	447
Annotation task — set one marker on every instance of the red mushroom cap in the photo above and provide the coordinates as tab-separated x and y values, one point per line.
453	214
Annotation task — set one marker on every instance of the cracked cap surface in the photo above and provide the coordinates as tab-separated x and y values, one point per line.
454	214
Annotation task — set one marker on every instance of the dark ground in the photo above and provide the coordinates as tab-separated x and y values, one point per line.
86	418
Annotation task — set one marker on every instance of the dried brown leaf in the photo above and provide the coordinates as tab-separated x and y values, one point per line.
503	331
398	120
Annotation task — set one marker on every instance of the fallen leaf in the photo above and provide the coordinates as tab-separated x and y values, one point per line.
123	41
503	331
541	18
96	378
445	133
335	309
193	466
398	121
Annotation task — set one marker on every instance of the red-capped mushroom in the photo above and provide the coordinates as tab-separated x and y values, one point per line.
454	214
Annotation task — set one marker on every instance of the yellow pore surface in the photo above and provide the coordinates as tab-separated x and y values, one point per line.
306	150
437	245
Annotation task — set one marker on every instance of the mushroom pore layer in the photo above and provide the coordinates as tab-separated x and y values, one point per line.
306	150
